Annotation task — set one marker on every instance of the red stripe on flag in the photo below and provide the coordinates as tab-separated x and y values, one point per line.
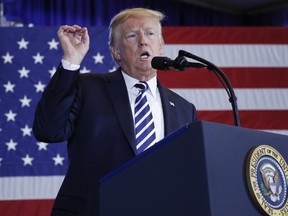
26	207
256	119
239	77
224	35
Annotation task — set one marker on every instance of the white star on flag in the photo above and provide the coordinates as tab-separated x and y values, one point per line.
113	69
38	58
98	58
42	146
10	116
9	87
84	70
25	101
27	160
26	131
39	86
11	145
53	44
7	58
23	44
23	72
52	71
58	160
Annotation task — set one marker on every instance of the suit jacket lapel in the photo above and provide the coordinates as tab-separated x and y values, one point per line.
169	110
118	92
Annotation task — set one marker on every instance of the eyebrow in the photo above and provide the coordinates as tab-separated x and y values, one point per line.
137	29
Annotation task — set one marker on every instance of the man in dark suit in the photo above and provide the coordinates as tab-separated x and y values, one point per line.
95	112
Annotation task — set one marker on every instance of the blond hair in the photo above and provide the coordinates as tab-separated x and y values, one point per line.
133	12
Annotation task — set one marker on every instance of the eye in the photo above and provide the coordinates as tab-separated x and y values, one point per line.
149	33
131	36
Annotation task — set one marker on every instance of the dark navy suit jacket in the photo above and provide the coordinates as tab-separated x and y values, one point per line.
92	112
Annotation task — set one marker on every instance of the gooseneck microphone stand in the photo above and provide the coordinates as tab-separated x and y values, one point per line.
223	79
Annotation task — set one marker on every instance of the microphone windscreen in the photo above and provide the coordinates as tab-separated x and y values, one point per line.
161	63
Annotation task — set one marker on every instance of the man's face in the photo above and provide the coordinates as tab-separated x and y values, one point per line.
138	40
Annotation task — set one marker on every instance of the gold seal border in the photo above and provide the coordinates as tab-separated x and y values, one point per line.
251	177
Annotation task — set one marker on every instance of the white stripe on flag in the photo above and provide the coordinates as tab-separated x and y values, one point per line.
282	132
247	99
240	55
38	187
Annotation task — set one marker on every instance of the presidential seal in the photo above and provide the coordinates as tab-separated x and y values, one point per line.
267	176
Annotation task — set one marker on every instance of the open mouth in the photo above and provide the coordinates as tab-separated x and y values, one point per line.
145	55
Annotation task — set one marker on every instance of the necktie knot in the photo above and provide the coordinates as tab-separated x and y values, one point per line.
142	86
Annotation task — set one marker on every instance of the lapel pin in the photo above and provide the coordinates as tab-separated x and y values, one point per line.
171	103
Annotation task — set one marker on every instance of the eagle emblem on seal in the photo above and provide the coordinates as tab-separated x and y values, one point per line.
270	186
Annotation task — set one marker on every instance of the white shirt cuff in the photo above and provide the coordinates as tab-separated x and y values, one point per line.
68	66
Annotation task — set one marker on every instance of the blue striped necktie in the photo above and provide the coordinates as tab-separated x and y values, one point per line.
144	124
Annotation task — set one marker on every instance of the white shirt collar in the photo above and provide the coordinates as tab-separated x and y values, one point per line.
152	83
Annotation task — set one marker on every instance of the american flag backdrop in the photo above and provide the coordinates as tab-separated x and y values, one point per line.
255	59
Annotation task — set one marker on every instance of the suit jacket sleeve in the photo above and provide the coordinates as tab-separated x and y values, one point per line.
56	111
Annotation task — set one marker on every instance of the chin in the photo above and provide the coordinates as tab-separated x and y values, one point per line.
147	68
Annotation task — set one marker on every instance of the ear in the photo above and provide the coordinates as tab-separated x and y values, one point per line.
116	53
161	48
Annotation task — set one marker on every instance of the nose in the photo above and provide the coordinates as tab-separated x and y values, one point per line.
143	43
142	40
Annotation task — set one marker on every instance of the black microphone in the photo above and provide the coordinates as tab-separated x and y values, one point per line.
180	63
162	63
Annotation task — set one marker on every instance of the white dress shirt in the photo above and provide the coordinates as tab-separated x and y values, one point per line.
154	99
